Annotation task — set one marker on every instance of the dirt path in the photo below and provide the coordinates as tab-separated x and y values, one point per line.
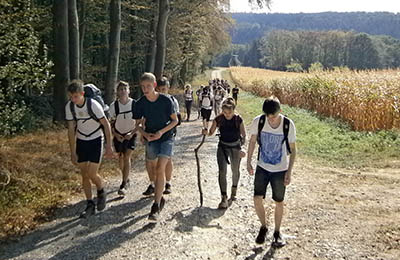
330	214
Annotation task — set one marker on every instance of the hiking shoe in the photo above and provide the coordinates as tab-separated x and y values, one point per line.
278	240
155	212
101	200
123	188
167	188
89	210
149	191
261	235
224	203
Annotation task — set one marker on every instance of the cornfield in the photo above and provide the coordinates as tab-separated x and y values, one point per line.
367	100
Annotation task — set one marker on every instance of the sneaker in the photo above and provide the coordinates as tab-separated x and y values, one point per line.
154	213
123	188
101	200
149	191
261	235
89	211
167	188
224	203
278	240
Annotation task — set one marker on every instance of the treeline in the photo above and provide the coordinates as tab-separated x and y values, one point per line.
250	26
44	44
299	50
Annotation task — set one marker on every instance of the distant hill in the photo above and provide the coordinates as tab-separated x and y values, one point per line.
251	26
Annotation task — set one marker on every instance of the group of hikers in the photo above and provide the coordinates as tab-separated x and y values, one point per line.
153	119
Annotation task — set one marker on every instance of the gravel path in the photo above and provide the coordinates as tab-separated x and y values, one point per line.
330	214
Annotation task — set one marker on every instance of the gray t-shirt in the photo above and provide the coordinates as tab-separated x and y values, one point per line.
157	114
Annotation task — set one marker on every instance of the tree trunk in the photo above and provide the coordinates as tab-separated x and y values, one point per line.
113	57
73	26
82	30
61	58
163	12
152	43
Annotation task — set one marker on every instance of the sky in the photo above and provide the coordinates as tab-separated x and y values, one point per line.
315	6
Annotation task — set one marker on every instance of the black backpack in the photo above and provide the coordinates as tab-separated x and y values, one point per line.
91	92
286	125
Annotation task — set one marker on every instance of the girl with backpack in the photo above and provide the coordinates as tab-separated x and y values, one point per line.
232	136
188	100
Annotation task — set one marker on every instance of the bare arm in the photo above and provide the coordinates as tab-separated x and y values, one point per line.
250	151
72	140
242	134
107	131
292	158
212	129
159	133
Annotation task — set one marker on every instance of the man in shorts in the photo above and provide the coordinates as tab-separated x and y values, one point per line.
86	119
124	132
277	153
156	117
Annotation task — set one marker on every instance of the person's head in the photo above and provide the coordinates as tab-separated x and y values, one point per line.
76	92
148	83
188	87
228	108
123	89
272	107
163	85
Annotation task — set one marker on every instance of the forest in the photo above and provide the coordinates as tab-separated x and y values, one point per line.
301	50
251	26
45	44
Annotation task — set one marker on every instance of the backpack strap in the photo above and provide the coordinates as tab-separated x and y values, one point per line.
261	123
72	108
116	108
90	110
286	125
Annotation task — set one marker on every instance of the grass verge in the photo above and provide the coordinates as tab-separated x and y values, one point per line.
36	177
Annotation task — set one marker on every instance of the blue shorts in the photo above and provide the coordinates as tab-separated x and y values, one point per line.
156	149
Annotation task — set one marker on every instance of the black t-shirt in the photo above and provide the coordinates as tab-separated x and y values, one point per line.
229	129
157	114
235	91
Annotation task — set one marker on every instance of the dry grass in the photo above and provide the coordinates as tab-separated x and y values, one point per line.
41	178
368	100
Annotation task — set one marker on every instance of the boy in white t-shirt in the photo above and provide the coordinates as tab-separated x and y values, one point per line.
124	131
276	136
85	118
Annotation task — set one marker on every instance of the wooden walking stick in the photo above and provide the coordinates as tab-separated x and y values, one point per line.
198	169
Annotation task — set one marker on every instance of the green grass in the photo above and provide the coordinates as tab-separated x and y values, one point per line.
328	141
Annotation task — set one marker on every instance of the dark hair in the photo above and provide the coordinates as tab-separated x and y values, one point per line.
271	105
229	103
147	76
75	86
163	82
122	84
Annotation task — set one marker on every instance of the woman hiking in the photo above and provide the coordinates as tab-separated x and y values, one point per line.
232	136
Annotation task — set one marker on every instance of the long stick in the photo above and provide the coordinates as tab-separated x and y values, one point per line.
198	169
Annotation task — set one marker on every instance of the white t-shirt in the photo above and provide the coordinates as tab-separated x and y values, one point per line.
85	124
206	101
273	154
124	121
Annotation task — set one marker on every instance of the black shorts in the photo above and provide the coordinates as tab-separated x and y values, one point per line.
263	178
122	147
89	151
206	114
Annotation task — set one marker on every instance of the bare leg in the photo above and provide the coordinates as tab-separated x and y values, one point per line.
278	215
160	178
260	211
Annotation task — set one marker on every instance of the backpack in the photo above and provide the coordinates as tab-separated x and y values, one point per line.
91	92
206	96
178	115
286	125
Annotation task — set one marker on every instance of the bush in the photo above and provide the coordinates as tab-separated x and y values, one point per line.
294	67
